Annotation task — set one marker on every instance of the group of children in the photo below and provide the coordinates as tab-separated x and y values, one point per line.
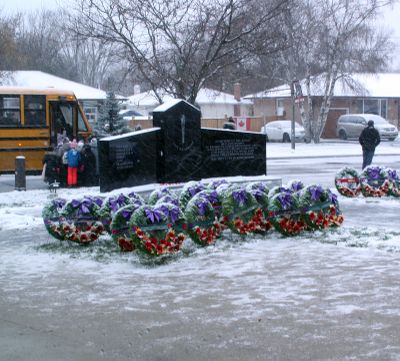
71	164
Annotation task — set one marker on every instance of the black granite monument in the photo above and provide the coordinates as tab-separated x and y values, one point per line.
231	153
179	145
128	160
178	150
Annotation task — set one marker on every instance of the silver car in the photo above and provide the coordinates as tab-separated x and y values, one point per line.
280	130
351	126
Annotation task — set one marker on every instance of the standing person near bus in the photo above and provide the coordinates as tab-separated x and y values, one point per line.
89	177
74	158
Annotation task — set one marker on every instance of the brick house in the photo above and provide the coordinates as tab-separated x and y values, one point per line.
373	93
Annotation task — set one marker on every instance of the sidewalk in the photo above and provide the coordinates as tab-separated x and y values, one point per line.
327	148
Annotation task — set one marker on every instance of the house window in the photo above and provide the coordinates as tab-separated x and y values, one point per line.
372	106
280	107
91	114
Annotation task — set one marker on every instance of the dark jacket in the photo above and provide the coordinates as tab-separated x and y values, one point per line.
53	166
89	166
369	138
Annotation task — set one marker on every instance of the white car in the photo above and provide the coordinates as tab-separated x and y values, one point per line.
281	130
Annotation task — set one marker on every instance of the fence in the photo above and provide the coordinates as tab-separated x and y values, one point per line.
254	123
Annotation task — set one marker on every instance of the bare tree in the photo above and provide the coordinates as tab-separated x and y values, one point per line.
9	55
346	42
176	46
39	43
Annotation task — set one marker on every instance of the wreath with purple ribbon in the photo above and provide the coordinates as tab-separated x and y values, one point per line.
157	194
51	214
260	217
111	205
80	220
201	222
319	207
152	229
119	227
285	213
295	185
238	210
189	190
374	182
394	182
278	189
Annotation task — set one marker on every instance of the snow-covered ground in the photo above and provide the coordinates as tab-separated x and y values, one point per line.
330	295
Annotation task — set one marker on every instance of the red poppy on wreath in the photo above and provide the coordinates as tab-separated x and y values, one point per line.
152	229
285	213
238	208
202	225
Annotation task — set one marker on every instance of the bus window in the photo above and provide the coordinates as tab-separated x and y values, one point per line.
81	123
10	111
35	110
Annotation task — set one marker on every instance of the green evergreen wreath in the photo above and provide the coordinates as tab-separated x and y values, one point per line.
261	186
347	182
238	209
202	226
120	227
153	233
169	198
295	185
157	194
260	217
110	206
285	213
374	182
317	207
80	220
278	189
217	183
189	190
51	214
394	182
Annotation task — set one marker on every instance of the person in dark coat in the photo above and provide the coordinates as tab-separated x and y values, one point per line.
88	161
53	167
230	124
369	140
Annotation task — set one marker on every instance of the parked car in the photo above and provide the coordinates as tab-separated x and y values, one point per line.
351	125
281	130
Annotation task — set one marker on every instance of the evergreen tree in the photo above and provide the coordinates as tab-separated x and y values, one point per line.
110	122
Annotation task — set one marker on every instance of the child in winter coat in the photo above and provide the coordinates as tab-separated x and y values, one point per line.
74	158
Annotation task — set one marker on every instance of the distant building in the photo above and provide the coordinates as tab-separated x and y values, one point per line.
212	103
370	93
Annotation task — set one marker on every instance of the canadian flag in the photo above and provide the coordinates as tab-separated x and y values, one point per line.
242	123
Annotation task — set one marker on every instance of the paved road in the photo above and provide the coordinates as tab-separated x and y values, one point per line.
267	299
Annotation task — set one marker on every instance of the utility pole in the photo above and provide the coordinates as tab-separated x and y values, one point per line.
292	133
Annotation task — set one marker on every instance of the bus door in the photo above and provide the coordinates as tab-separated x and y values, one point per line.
61	121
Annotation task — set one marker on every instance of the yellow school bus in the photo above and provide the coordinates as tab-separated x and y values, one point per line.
31	119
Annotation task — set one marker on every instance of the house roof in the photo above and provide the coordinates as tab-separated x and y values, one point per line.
205	96
39	79
383	85
171	103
